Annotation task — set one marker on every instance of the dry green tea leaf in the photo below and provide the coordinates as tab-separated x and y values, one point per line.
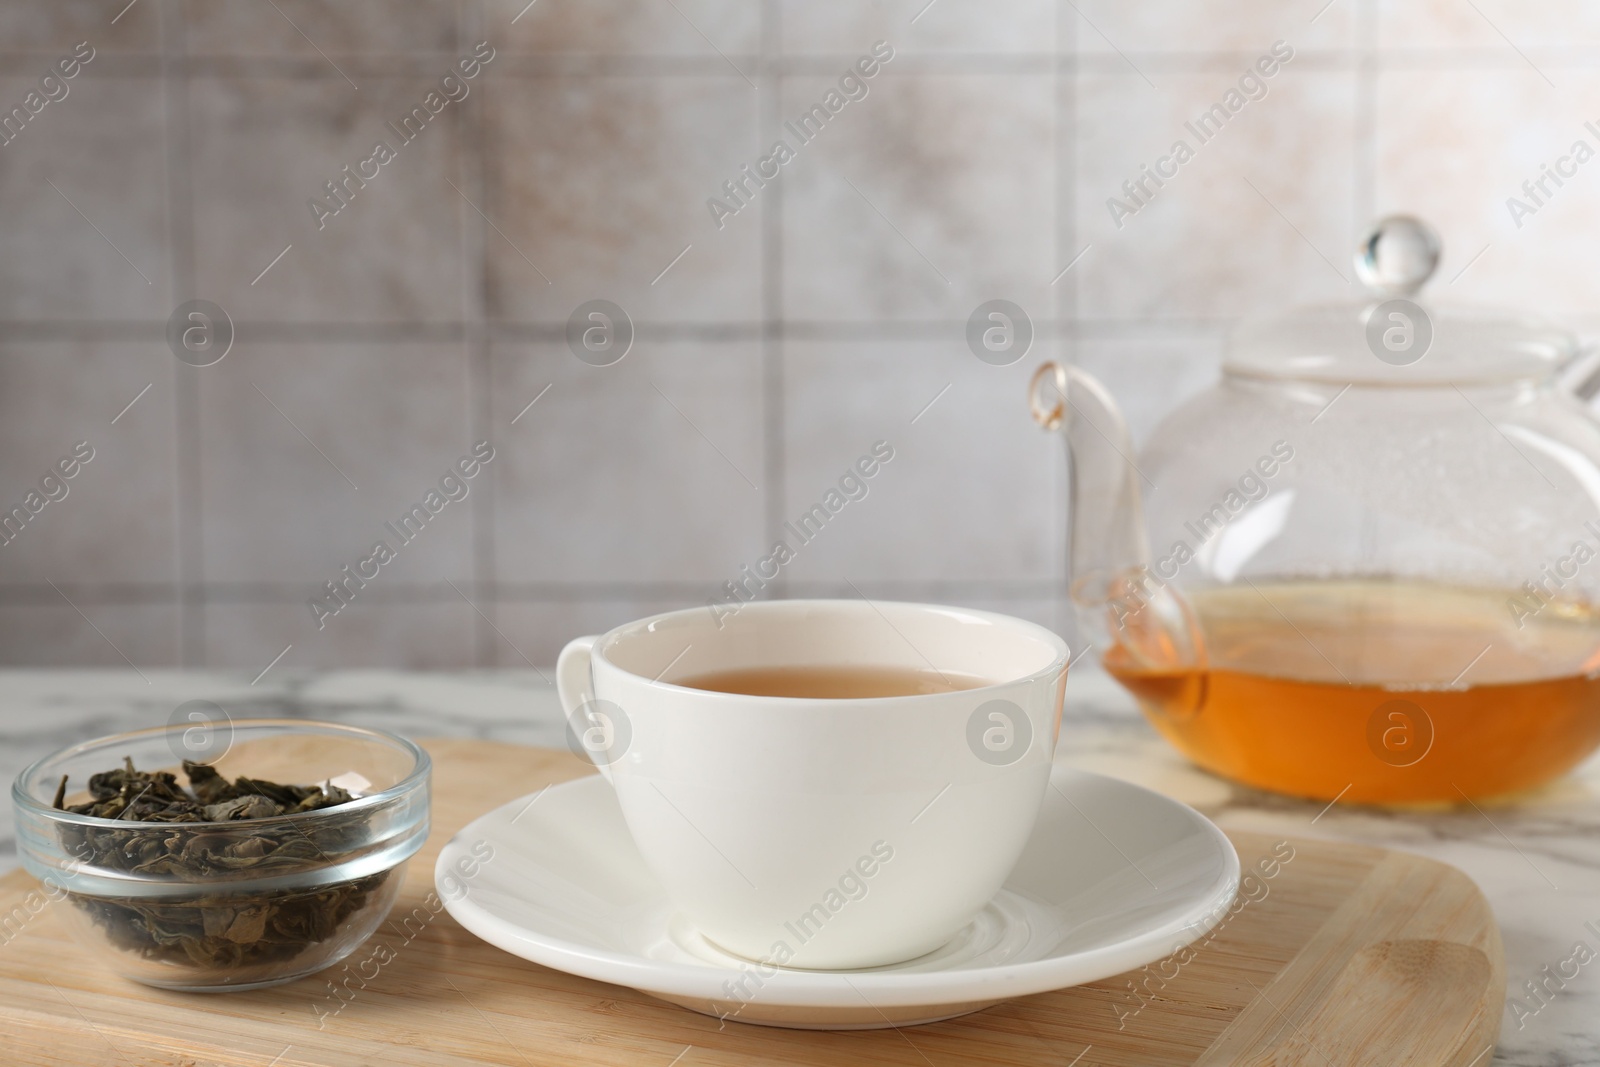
216	928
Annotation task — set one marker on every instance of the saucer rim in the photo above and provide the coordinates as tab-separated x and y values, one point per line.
848	988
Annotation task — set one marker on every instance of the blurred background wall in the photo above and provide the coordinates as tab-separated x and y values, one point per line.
774	345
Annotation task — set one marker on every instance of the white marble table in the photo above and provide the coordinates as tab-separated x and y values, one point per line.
1538	861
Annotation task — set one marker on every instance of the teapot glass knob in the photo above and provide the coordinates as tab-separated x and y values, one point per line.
1398	256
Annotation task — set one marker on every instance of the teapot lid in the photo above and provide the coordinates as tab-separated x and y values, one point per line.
1390	338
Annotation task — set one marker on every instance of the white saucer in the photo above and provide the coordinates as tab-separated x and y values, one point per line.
1114	877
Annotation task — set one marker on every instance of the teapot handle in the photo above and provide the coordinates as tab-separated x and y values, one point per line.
1581	377
1106	534
1119	600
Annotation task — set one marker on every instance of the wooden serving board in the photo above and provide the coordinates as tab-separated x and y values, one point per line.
1349	955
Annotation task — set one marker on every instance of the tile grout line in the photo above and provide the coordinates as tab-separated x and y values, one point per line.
1066	229
189	518
773	397
546	332
470	26
409	65
277	593
1365	178
169	183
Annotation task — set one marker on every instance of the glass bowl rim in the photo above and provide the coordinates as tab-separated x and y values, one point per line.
418	776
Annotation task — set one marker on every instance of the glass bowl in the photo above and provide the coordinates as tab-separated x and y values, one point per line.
219	906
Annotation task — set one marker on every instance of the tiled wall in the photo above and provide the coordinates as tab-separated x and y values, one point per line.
770	353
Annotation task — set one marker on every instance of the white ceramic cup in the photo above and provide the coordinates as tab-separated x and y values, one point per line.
822	833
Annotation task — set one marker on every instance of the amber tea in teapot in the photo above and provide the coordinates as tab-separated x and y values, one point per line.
1360	689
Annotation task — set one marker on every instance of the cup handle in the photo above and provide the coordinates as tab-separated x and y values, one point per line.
575	686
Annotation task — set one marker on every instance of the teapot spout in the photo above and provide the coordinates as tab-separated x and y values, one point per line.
1120	602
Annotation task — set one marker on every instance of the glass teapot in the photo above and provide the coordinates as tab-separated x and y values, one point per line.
1366	564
